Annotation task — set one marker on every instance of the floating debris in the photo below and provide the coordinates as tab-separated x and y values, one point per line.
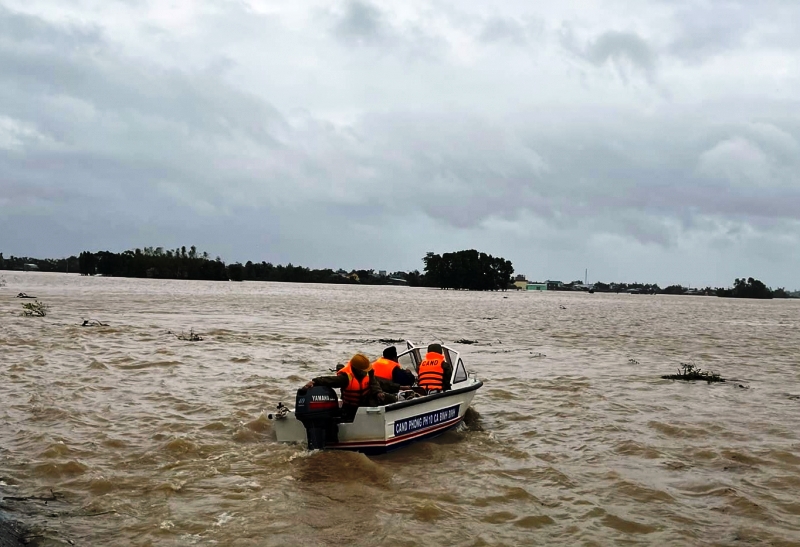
387	341
191	337
54	496
93	323
691	372
633	362
562	307
538	354
23	295
35	309
465	341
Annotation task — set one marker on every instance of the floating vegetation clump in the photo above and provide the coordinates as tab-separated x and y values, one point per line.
191	337
35	309
689	371
465	341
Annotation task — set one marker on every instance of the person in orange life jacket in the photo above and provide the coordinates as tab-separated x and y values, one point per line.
434	371
358	383
387	368
386	385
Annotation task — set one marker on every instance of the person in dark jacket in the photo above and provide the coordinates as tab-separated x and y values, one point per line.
388	368
358	384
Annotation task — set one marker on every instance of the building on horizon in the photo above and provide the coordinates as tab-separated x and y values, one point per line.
536	287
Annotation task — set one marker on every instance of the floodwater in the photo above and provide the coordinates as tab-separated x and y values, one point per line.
145	439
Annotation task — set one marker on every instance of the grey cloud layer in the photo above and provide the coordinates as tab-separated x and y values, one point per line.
511	124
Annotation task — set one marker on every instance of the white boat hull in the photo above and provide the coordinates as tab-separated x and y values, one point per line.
376	430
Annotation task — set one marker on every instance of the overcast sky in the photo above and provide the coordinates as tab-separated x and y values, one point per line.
644	140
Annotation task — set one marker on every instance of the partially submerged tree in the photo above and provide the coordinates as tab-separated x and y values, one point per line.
689	371
190	337
746	288
35	309
469	270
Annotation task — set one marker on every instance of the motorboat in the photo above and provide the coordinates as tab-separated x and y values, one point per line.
316	419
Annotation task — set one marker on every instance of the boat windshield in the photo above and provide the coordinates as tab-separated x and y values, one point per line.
410	359
459	371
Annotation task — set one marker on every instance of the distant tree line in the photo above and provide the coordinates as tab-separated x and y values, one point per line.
460	270
183	263
469	270
742	288
154	262
751	288
43	264
265	271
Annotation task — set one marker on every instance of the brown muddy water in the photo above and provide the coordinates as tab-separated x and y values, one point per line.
149	440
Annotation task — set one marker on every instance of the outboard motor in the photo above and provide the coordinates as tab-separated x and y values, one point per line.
318	410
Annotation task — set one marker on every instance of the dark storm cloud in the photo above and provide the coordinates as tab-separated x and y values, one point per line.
646	166
49	62
710	29
613	46
715	27
32	31
362	22
106	121
500	29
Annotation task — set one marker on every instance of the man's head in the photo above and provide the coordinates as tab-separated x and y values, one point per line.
360	364
390	353
435	348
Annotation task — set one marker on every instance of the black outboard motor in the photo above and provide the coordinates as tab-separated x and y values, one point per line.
318	410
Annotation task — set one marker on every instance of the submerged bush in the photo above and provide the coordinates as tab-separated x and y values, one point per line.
35	309
691	372
190	337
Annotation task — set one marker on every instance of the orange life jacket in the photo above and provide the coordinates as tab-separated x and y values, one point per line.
383	368
357	390
431	371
